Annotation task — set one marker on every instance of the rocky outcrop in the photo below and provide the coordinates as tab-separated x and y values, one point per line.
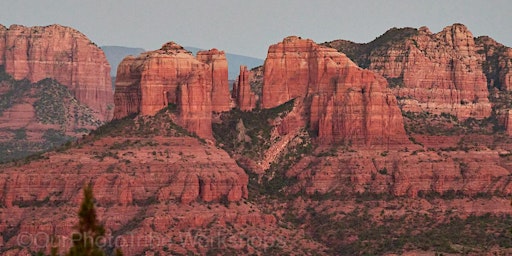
344	102
497	64
128	96
159	182
412	174
36	117
172	75
63	54
218	64
244	97
506	119
193	171
437	73
54	86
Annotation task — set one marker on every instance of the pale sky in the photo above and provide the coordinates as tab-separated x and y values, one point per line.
249	27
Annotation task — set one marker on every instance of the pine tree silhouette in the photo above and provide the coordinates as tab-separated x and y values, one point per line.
90	231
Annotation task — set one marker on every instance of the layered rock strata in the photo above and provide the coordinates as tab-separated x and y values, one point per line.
344	103
436	73
218	65
497	63
63	54
244	97
409	174
171	75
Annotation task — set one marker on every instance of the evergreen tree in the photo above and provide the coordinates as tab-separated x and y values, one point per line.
90	231
119	252
54	250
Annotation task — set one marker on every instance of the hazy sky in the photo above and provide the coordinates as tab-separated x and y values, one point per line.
249	27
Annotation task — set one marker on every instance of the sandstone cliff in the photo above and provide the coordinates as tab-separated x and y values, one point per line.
218	64
171	75
244	97
63	54
497	63
54	86
344	102
438	73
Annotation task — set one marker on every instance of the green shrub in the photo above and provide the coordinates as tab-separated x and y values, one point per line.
20	134
397	82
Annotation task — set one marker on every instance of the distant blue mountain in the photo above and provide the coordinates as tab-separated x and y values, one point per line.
115	54
234	62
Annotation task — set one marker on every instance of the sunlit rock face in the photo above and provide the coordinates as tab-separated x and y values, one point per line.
441	72
63	54
172	75
344	102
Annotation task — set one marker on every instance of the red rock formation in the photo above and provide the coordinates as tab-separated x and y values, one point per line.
3	31
404	173
209	177
149	82
437	73
165	184
128	94
507	121
61	53
242	93
346	103
195	107
497	62
286	71
442	72
218	64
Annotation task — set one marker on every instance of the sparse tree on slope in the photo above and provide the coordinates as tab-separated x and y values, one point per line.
90	231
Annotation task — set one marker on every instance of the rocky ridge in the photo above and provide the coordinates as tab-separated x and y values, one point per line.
54	87
329	187
344	102
63	54
35	117
149	176
497	62
172	75
328	81
320	174
433	72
